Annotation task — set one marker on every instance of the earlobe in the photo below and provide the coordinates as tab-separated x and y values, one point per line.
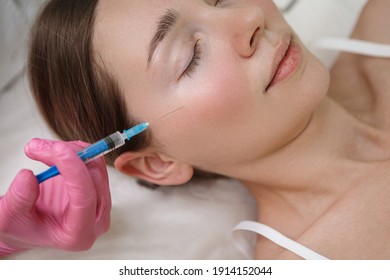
154	168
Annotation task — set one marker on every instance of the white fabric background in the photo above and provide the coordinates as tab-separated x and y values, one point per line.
189	222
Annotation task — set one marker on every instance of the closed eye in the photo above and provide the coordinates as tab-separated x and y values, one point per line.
194	61
217	2
197	54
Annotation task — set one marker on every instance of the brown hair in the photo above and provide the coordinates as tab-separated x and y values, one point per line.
76	96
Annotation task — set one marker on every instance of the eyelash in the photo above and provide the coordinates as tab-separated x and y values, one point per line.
194	61
197	54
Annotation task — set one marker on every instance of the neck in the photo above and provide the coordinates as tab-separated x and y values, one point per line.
311	172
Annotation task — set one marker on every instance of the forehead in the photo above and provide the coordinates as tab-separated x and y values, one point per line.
126	26
117	22
123	32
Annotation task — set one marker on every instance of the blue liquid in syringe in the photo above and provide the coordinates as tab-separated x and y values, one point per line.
98	149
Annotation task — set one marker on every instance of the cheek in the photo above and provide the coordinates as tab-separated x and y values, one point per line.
215	104
219	95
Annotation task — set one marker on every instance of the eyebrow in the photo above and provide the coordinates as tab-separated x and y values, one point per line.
164	25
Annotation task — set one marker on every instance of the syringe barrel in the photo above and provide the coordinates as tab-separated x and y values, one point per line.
96	150
102	147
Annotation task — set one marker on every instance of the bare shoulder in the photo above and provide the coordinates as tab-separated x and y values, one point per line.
358	225
374	24
362	83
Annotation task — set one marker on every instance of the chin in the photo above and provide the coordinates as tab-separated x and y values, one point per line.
312	88
315	82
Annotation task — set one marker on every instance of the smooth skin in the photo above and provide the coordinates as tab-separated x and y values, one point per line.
314	150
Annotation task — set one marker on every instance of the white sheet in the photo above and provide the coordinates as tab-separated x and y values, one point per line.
189	222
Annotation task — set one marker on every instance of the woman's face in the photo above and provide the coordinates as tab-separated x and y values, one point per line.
244	83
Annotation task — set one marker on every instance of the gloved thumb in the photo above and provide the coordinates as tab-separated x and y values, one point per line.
23	192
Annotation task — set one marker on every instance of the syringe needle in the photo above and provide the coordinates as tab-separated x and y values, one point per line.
167	114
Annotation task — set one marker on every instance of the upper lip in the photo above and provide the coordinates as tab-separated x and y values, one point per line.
279	54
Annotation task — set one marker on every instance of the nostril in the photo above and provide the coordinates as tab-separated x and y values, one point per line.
254	37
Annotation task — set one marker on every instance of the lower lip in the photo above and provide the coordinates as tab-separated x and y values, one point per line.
287	65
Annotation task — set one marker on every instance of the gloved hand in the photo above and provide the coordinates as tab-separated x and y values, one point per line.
68	211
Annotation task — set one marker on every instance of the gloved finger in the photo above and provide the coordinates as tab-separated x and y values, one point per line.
103	209
22	195
98	171
79	218
100	179
40	149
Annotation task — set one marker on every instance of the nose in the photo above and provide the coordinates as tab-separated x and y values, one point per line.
244	26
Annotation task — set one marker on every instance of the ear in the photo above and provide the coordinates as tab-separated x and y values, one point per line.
154	168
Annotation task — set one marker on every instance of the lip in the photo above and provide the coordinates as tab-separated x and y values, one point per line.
286	60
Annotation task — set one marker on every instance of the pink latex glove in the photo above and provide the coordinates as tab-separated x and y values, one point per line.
68	211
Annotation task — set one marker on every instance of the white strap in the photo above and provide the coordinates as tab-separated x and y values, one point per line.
354	46
338	44
280	239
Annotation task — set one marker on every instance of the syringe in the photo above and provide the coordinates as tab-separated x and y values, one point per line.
98	149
